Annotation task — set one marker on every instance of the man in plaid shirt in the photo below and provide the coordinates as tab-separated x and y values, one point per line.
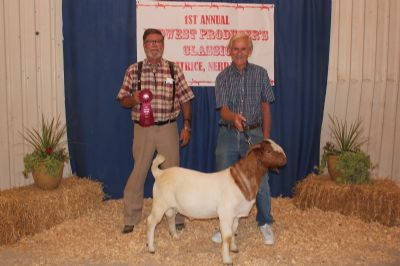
163	135
243	93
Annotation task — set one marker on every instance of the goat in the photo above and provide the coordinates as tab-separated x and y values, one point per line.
228	194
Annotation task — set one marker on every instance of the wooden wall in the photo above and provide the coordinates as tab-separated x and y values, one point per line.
31	78
363	79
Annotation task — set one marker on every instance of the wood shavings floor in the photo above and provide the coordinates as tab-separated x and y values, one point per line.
311	237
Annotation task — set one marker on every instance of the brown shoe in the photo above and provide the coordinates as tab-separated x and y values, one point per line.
127	229
180	227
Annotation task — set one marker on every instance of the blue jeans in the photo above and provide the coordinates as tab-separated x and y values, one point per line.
231	146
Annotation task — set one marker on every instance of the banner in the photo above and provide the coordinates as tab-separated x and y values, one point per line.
197	34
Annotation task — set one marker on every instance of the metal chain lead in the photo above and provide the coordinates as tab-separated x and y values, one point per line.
246	136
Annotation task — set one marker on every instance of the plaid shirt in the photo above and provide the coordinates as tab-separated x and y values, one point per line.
158	81
244	93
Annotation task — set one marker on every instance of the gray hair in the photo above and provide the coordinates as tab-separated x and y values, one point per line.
241	36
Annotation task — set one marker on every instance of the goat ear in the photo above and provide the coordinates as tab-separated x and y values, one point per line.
252	148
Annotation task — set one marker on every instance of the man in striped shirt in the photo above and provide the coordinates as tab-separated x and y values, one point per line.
167	101
243	94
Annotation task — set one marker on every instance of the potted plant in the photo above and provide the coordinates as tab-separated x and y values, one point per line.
345	160
46	161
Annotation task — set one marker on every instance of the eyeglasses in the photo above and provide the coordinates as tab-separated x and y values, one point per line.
154	41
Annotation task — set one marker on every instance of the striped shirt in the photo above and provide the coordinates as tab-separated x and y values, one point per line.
158	80
244	93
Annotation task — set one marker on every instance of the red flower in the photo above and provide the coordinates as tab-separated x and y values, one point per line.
49	150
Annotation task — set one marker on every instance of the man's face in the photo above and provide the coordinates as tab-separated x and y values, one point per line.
240	52
153	47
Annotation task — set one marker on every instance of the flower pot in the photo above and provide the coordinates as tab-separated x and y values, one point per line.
332	162
46	181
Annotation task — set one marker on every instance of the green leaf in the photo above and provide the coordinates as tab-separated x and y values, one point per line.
48	135
346	139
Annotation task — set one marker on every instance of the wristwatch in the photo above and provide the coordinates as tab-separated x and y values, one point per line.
187	128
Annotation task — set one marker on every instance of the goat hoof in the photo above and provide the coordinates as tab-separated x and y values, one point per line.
235	250
151	250
180	227
174	236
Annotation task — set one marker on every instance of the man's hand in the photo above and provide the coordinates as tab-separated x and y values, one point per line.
130	101
238	122
185	136
236	119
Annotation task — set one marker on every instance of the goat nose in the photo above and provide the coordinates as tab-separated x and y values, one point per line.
282	158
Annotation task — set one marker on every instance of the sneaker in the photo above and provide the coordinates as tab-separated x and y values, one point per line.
127	229
217	238
268	235
180	227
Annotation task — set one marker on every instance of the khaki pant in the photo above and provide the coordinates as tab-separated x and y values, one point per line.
163	139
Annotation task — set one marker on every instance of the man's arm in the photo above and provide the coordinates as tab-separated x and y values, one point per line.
126	98
235	118
187	113
185	133
267	120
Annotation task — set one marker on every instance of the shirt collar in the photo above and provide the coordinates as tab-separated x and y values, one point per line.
147	63
246	68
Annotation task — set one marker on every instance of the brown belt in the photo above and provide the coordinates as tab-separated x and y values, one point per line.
246	127
160	123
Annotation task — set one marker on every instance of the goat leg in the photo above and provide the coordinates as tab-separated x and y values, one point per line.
171	214
233	246
226	233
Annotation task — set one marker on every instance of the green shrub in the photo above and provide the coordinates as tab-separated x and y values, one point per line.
48	147
354	167
353	164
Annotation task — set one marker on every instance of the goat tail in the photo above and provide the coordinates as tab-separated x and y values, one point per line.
156	163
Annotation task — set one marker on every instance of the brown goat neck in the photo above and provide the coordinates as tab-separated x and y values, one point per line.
248	173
